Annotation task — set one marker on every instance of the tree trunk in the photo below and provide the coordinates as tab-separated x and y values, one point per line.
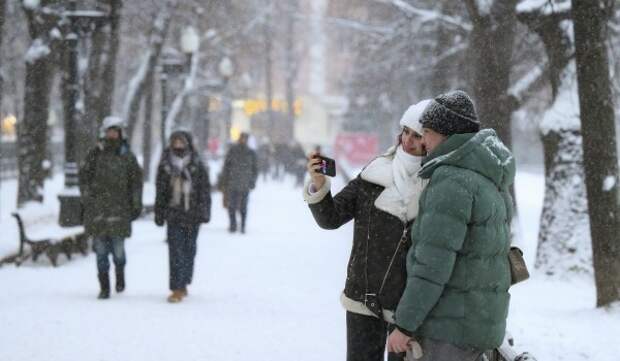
147	129
440	80
109	67
563	243
492	40
291	66
564	221
2	20
599	144
32	130
268	38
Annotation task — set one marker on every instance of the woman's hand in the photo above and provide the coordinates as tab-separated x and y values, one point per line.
318	179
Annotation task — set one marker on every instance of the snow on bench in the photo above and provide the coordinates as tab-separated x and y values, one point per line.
41	235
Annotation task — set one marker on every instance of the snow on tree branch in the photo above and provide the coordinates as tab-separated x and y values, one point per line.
39	49
135	84
428	15
545	7
31	4
523	85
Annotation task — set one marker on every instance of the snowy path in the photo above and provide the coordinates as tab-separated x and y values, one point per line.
267	296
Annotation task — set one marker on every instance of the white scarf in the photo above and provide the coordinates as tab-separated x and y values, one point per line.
397	171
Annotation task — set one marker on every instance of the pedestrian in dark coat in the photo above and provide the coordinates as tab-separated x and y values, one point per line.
456	300
238	178
111	189
383	202
183	200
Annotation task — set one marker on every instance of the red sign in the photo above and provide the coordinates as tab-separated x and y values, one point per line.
356	148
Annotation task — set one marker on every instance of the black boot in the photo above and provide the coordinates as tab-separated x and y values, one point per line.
243	217
120	280
104	283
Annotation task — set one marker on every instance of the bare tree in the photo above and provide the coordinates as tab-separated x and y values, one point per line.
599	143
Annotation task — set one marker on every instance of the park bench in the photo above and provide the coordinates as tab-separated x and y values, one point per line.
47	239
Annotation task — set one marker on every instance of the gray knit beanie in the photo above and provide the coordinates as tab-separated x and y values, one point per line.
451	113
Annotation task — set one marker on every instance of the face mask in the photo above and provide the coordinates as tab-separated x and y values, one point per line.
179	152
112	143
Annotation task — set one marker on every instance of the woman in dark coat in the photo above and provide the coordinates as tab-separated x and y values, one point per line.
383	202
183	200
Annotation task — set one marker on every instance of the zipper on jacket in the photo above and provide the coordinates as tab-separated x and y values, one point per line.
403	240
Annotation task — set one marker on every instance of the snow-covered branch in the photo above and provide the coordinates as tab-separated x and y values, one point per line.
349	24
427	15
520	88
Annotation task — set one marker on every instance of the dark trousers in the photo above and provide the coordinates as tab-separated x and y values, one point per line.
238	202
106	245
181	253
367	337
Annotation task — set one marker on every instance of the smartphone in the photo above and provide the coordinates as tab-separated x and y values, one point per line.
328	166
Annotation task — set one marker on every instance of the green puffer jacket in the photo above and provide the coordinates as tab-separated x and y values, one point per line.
458	271
111	188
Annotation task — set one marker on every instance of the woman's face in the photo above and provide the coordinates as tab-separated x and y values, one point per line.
412	142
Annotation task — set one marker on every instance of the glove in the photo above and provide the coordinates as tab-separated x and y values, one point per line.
159	220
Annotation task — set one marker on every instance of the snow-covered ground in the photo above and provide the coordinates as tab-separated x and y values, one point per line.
269	295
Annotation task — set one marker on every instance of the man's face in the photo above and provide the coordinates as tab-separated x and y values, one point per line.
113	134
431	139
412	142
243	139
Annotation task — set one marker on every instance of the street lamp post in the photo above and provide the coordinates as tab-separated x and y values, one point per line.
80	22
226	69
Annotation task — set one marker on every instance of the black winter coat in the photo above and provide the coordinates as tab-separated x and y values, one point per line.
200	196
240	169
111	188
379	239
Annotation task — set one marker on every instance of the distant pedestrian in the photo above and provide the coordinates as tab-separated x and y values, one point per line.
183	201
298	160
264	159
238	178
111	188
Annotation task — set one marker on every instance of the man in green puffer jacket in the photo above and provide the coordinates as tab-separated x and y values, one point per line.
456	299
111	188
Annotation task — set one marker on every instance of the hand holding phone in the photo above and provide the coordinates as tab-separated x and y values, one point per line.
327	165
318	167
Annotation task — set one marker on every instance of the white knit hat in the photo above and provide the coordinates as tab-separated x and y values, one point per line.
411	118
